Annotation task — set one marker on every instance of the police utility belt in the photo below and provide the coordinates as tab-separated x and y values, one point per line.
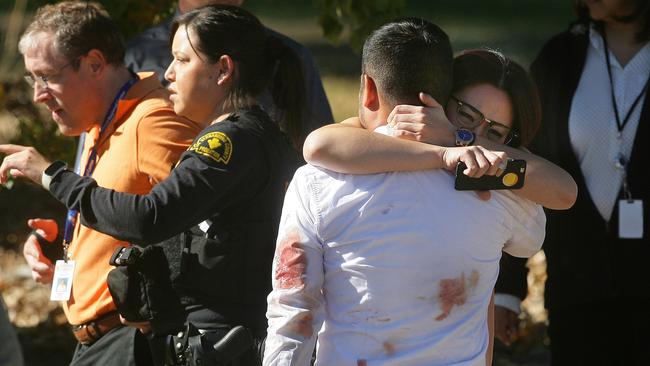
142	291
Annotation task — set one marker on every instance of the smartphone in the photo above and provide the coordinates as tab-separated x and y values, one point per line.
511	178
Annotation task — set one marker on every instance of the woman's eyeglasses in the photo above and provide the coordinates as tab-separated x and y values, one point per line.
470	117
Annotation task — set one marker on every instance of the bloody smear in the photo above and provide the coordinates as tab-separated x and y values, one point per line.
453	291
292	262
362	362
302	325
389	348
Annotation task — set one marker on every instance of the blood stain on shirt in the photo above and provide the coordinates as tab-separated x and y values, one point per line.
362	362
389	348
453	292
302	324
291	262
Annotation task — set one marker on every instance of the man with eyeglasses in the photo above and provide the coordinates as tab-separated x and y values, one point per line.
73	55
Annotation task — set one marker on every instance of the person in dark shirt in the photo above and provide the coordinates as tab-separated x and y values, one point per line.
215	218
149	51
593	81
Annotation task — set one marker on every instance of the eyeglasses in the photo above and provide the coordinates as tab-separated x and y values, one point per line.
470	117
42	80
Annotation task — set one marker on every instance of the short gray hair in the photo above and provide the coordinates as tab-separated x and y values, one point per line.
77	27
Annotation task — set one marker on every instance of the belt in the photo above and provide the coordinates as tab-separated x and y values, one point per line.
88	333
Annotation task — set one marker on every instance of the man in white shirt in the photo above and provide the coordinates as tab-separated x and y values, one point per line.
395	268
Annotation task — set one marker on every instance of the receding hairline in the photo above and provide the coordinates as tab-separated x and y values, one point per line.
43	42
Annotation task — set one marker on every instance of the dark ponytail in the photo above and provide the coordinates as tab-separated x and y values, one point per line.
287	88
262	60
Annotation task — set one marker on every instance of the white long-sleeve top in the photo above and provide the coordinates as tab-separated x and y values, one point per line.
390	269
592	123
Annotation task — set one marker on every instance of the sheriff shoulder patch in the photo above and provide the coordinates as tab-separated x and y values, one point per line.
215	145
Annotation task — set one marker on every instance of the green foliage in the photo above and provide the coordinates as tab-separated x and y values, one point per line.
131	16
134	16
359	17
35	127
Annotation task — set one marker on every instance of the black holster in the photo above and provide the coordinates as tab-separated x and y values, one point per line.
142	289
223	347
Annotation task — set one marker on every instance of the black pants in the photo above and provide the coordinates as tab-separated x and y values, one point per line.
121	346
608	333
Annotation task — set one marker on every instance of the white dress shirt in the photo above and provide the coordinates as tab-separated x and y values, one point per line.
592	123
390	269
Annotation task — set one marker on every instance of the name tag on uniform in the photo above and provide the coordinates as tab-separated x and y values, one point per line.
630	219
62	281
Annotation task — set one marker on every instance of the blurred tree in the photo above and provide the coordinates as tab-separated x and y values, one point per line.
131	16
355	18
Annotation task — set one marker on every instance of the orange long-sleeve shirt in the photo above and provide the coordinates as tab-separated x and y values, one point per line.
138	150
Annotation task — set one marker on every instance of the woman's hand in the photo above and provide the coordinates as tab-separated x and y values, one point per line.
479	160
427	123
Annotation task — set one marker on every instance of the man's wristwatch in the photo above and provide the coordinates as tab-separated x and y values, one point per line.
464	137
48	173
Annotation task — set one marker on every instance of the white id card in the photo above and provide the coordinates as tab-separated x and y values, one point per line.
62	281
630	219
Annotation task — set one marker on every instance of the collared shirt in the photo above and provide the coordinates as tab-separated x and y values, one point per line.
592	123
390	269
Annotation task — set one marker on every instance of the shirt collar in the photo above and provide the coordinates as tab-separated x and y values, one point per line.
596	40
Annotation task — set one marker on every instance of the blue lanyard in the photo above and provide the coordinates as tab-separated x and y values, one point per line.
71	217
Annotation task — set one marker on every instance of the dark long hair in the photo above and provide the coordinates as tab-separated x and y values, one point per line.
641	12
261	59
485	66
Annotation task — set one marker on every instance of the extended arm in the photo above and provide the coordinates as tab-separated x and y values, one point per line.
195	190
348	148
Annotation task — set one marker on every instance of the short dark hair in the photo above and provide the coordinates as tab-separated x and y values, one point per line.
486	66
78	27
262	60
641	12
408	56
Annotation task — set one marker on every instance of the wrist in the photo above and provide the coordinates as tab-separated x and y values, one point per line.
50	171
440	158
464	137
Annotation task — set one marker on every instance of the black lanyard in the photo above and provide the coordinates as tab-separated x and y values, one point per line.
620	125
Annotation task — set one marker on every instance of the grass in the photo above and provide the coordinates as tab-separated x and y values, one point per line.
517	28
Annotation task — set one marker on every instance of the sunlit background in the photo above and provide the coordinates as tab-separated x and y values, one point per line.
518	28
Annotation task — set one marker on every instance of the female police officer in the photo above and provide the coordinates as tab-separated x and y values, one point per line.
219	209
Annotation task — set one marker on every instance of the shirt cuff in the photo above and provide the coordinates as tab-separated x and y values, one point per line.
508	301
50	171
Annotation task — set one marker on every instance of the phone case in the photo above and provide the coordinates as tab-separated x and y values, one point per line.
511	178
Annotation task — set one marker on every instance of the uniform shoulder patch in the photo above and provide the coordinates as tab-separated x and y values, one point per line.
215	145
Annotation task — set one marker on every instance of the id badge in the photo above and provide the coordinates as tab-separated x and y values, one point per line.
630	219
62	281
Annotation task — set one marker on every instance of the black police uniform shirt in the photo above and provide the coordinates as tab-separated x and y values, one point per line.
234	175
